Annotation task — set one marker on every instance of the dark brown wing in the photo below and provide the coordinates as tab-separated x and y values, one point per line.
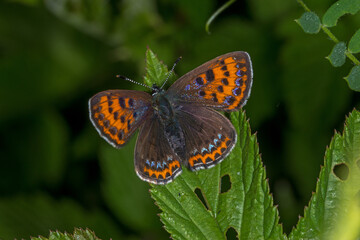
223	83
116	114
209	136
155	161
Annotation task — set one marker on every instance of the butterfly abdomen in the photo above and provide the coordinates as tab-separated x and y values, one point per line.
175	136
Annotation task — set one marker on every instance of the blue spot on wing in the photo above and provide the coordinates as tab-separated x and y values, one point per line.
236	91
211	146
238	82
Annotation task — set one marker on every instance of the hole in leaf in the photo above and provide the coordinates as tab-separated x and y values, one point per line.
358	163
341	171
231	234
199	194
225	183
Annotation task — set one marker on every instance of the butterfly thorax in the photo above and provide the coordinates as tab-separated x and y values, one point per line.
162	107
165	113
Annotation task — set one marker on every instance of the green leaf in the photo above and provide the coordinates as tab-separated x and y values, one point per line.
337	56
235	193
310	22
333	202
353	78
79	234
156	71
339	9
354	44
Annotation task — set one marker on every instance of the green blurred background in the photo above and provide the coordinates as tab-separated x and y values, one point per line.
57	173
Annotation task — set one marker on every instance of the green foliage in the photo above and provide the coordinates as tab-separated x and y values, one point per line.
92	18
311	24
79	234
339	9
337	56
336	199
353	78
30	215
57	173
354	44
156	72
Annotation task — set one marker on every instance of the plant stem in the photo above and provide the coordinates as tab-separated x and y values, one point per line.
304	5
222	8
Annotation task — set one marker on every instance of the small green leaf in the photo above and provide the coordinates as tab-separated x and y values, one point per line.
354	44
333	202
353	79
245	204
309	22
339	9
337	56
156	71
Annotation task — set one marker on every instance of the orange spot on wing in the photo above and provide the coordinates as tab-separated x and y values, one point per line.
229	60
211	155
163	172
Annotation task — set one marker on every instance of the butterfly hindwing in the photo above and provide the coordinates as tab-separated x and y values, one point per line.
116	114
209	135
223	83
155	161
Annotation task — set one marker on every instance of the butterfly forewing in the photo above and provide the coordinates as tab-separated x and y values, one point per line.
209	135
116	114
223	83
155	161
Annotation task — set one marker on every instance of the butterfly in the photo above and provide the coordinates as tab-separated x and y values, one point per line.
180	126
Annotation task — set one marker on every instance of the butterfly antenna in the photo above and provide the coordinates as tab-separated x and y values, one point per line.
130	80
171	71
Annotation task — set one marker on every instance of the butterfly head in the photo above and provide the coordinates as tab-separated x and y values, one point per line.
156	90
